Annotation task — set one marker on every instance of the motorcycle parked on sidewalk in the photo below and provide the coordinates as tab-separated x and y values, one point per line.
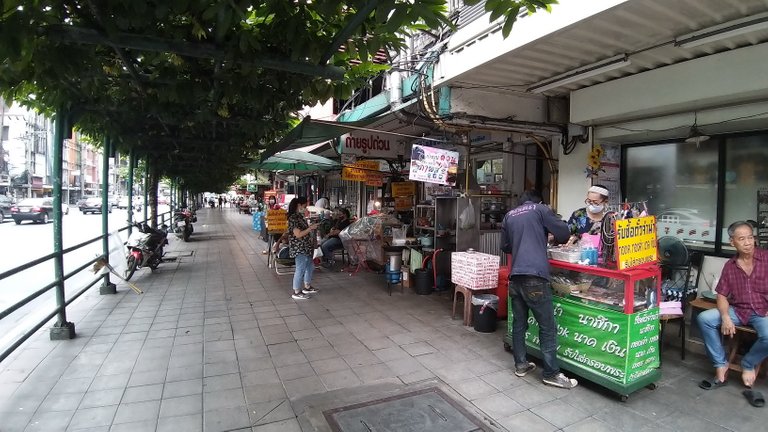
182	223
145	248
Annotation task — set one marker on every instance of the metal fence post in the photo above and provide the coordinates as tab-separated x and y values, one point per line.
62	329
107	287
131	166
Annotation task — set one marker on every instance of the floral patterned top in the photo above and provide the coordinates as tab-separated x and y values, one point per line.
302	245
580	223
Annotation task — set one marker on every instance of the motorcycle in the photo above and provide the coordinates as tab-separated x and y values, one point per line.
182	223
145	248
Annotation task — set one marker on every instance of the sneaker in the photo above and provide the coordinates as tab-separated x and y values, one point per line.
523	370
299	296
310	290
561	381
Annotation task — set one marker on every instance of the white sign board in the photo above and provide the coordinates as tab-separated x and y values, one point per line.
372	145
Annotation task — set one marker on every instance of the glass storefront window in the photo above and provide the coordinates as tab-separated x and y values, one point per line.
745	173
679	182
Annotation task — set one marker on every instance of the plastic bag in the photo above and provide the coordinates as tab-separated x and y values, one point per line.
467	217
318	253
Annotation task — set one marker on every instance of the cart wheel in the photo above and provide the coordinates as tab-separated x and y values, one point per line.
652	386
624	398
507	347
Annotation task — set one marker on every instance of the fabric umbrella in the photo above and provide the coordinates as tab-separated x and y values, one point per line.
294	160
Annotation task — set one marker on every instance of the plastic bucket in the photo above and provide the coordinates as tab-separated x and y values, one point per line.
484	307
423	281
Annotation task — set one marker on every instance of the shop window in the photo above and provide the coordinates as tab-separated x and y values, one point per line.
489	171
679	182
745	173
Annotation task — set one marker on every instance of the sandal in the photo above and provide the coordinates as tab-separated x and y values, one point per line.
755	398
712	385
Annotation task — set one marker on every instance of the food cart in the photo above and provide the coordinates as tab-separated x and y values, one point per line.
607	315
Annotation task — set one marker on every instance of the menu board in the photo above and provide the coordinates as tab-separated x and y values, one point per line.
363	171
403	189
433	165
277	221
762	217
636	242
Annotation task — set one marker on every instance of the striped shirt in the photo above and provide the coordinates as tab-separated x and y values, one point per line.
747	294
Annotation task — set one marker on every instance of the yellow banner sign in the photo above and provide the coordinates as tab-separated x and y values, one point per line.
277	221
636	242
362	171
403	203
403	189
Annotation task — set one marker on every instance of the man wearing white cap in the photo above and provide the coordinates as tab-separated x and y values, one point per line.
587	220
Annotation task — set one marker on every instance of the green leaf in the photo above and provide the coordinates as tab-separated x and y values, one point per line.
509	23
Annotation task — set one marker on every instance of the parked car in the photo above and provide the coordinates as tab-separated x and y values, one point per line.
34	209
93	205
5	207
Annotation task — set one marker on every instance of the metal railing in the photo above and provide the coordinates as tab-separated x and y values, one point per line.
45	289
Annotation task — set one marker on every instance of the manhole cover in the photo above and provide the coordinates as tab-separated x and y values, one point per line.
428	410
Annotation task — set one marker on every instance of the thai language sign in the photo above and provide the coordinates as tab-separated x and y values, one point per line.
277	221
372	145
363	171
619	347
636	242
432	165
403	189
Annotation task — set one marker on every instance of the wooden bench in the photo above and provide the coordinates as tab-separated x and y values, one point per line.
743	334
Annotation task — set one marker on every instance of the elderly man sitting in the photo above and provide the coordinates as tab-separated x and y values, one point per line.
332	242
742	299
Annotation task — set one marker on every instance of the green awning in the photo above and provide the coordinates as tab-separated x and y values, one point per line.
310	132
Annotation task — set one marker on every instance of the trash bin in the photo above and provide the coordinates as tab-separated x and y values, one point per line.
423	281
484	307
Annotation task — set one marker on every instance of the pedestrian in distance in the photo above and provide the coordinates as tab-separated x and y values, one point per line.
301	246
525	230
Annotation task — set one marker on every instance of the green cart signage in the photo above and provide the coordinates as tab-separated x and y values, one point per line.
603	345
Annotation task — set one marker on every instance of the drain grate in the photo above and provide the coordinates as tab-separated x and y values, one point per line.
427	410
179	254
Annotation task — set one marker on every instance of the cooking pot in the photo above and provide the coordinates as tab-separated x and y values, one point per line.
426	241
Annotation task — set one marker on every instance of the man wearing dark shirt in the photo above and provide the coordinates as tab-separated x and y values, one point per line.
742	299
524	235
333	242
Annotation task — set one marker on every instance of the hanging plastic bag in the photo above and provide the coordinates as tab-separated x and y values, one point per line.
467	217
318	253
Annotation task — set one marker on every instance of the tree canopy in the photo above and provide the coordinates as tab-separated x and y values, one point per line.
198	86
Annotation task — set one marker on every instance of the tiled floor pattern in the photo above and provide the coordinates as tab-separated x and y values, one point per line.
216	344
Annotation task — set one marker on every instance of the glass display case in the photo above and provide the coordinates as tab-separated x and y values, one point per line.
629	291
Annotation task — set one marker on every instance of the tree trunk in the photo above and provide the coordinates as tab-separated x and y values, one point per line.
153	180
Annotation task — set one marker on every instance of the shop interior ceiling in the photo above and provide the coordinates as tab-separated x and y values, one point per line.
642	30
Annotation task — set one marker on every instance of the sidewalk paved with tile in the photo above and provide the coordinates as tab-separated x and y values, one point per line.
216	344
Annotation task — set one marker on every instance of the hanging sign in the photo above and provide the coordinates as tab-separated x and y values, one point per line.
434	165
362	171
636	242
403	203
277	221
372	145
403	189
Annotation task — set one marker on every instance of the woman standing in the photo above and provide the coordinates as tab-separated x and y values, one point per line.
588	220
301	247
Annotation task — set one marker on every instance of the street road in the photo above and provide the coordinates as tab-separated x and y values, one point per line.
23	243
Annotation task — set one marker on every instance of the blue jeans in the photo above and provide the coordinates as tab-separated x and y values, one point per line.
709	323
304	269
329	245
535	294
